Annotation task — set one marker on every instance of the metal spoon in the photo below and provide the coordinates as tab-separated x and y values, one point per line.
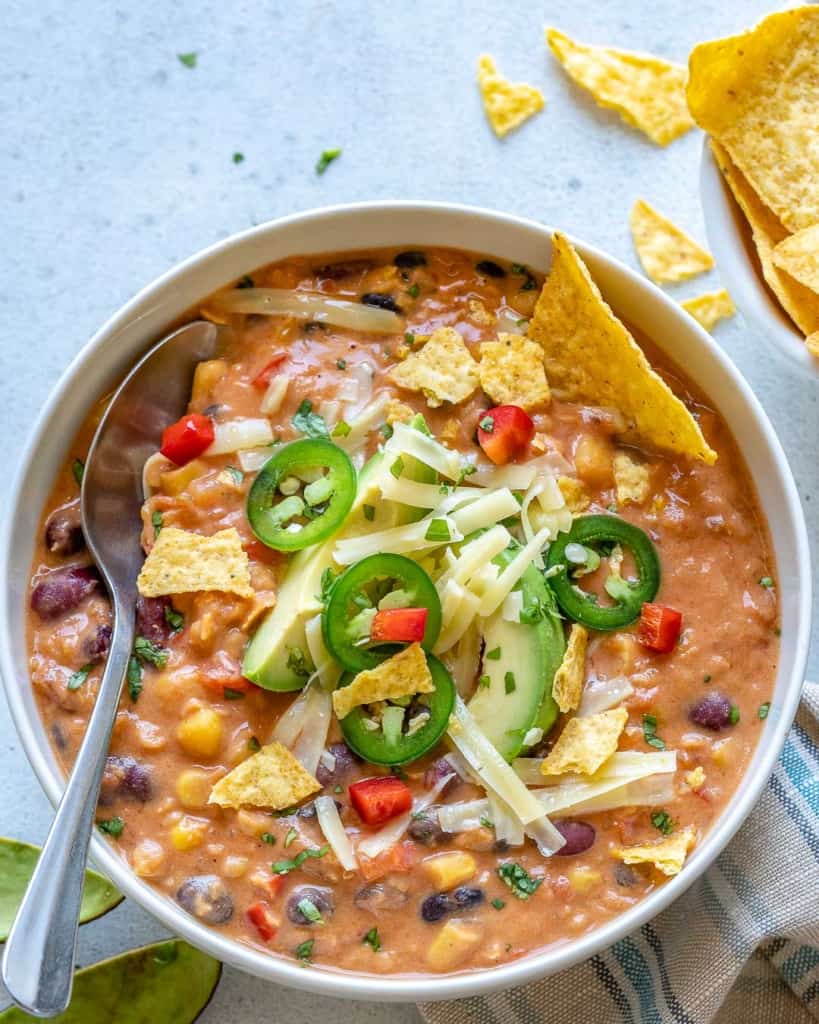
38	962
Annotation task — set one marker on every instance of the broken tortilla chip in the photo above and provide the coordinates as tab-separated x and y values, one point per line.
574	494
591	357
647	92
511	372
181	562
402	675
632	480
666	252
507	104
443	370
812	341
799	255
667	855
586	743
272	777
708	309
799	302
570	676
758	95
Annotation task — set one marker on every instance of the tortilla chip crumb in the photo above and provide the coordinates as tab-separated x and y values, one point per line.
710	308
695	779
480	314
511	372
799	255
591	356
539	442
574	494
666	252
647	92
507	104
570	676
667	855
586	743
398	412
181	562
632	480
450	430
272	777
444	370
401	675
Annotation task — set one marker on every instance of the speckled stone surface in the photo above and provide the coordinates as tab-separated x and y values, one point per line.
117	161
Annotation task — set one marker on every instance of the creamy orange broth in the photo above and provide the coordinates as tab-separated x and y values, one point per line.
705	522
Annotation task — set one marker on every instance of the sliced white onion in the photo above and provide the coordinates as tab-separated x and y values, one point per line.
236	435
330	824
603	694
310	306
155	465
388	836
275	395
252	459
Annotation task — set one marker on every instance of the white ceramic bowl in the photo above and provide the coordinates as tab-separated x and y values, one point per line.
148	316
733	249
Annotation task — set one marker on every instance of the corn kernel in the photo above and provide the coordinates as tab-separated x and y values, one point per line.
148	858
695	779
200	734
188	833
252	823
593	457
583	878
453	944
193	788
447	870
723	752
234	867
205	377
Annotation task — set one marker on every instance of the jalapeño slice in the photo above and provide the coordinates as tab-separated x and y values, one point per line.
398	734
302	495
385	580
600	533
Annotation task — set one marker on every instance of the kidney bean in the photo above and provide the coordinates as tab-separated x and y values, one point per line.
579	836
409	259
380	896
151	621
320	896
345	761
382	300
63	589
206	897
439	770
64	530
711	712
95	647
125	776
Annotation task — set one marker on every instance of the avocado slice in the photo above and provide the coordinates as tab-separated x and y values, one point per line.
276	657
519	661
166	981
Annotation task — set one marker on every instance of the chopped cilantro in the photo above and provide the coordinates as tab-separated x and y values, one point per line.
76	679
296	662
341	364
269	838
484	681
518	879
369	512
283	867
509	682
338	789
341	429
231	694
707	678
766	581
409	338
310	911
464	473
494	654
498	903
309	422
438	531
156	522
253	745
246	282
487	424
662	820
175	619
763	710
291	835
413	291
650	732
304	950
238	158
111	826
77	470
150	653
372	939
533	611
188	59
328	578
485	822
133	678
386	431
326	158
235	474
733	714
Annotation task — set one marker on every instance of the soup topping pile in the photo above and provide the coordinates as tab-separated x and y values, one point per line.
454	633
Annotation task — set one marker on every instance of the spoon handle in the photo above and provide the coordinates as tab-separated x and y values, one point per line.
38	961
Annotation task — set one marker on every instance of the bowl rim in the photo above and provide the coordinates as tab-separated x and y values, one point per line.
415	988
723	220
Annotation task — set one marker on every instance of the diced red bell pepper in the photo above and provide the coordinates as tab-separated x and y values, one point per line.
504	432
261	916
378	800
266	374
659	627
184	440
399	625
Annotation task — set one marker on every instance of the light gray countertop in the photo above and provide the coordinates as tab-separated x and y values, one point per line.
116	162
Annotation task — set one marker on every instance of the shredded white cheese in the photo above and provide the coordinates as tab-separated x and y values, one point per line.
330	824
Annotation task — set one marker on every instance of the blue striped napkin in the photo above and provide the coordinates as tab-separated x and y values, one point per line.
740	947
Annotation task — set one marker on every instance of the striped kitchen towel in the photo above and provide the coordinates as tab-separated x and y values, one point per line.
740	947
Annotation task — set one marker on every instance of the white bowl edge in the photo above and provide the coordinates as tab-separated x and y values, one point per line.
115	346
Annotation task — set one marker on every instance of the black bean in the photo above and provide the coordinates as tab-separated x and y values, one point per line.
382	300
95	647
62	590
64	530
438	770
579	836
410	258
308	811
58	736
436	906
490	268
711	712
320	896
466	896
151	619
425	828
125	776
206	897
624	875
380	896
345	761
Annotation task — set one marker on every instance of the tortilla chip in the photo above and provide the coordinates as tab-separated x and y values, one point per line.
401	675
398	412
812	341
647	92
181	562
666	252
632	480
711	307
758	94
667	855
574	494
586	743
272	777
799	255
479	314
507	104
799	302
570	676
511	372
443	370
591	357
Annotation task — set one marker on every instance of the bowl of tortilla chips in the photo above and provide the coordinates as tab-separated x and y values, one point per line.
756	94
